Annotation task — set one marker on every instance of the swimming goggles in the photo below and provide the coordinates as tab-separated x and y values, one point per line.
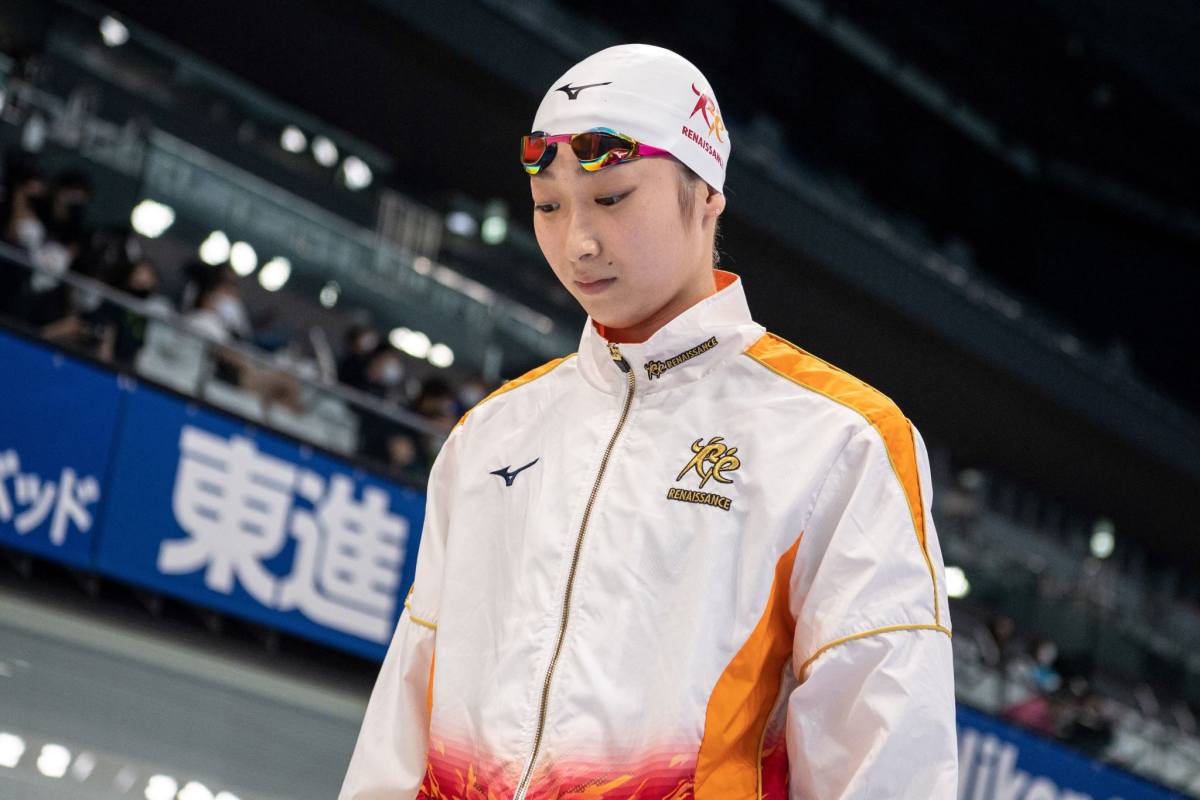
595	149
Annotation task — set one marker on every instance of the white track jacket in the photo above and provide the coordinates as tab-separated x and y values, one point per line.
701	566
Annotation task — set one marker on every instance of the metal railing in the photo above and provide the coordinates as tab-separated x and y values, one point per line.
175	355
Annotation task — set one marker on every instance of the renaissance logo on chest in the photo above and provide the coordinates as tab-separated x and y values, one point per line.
710	461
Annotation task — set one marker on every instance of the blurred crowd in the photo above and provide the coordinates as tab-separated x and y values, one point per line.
1041	693
46	216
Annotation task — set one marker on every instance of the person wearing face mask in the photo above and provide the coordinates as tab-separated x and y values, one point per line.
220	317
690	560
66	209
399	451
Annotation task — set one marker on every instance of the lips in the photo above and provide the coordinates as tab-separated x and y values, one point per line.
596	286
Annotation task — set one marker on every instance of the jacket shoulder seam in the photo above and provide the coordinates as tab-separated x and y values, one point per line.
875	632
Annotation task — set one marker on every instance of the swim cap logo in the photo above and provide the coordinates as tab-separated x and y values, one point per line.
572	92
706	106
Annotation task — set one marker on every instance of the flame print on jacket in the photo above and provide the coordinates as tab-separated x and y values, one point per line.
452	775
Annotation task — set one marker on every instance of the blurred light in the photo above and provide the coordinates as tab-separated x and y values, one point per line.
957	585
356	173
330	293
53	760
414	343
970	479
495	222
461	223
293	139
441	355
113	31
125	779
151	219
193	790
227	796
1103	538
242	258
12	747
3	99
275	274
33	135
161	787
422	265
324	151
494	230
85	762
215	249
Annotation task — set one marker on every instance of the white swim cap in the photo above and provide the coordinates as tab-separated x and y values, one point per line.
647	93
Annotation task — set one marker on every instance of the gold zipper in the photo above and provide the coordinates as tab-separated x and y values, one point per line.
523	786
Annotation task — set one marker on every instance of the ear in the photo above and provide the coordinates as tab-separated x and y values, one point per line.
714	203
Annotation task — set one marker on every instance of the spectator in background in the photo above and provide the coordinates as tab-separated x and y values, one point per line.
360	342
20	226
220	316
56	306
1085	725
216	310
122	332
67	210
438	404
470	393
383	375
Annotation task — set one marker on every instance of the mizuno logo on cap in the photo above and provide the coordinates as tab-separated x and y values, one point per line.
572	92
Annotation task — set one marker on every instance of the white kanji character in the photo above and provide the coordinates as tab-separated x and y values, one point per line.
10	465
74	496
233	501
31	491
348	558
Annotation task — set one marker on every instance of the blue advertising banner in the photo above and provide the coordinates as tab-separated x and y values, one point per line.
58	420
999	762
218	513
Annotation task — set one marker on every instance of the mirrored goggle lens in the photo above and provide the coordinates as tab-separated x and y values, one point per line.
532	149
604	148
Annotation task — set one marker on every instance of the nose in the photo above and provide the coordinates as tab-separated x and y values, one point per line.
583	244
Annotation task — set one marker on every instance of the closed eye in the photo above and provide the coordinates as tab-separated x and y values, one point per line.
545	208
610	201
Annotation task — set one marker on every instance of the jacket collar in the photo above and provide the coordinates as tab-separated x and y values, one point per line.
688	347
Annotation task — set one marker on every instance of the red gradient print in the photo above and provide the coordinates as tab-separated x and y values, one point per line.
452	774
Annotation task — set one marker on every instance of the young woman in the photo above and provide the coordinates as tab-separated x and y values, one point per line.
689	560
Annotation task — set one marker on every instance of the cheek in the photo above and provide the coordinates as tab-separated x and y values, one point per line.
547	237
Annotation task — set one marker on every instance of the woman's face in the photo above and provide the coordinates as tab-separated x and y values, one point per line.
618	241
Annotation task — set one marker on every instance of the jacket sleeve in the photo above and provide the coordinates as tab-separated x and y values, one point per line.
871	711
389	759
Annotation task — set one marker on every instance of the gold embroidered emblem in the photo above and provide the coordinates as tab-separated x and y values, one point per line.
711	460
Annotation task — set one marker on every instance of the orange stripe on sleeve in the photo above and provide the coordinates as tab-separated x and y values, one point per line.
804	369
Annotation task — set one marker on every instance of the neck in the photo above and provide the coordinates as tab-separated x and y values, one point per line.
693	293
